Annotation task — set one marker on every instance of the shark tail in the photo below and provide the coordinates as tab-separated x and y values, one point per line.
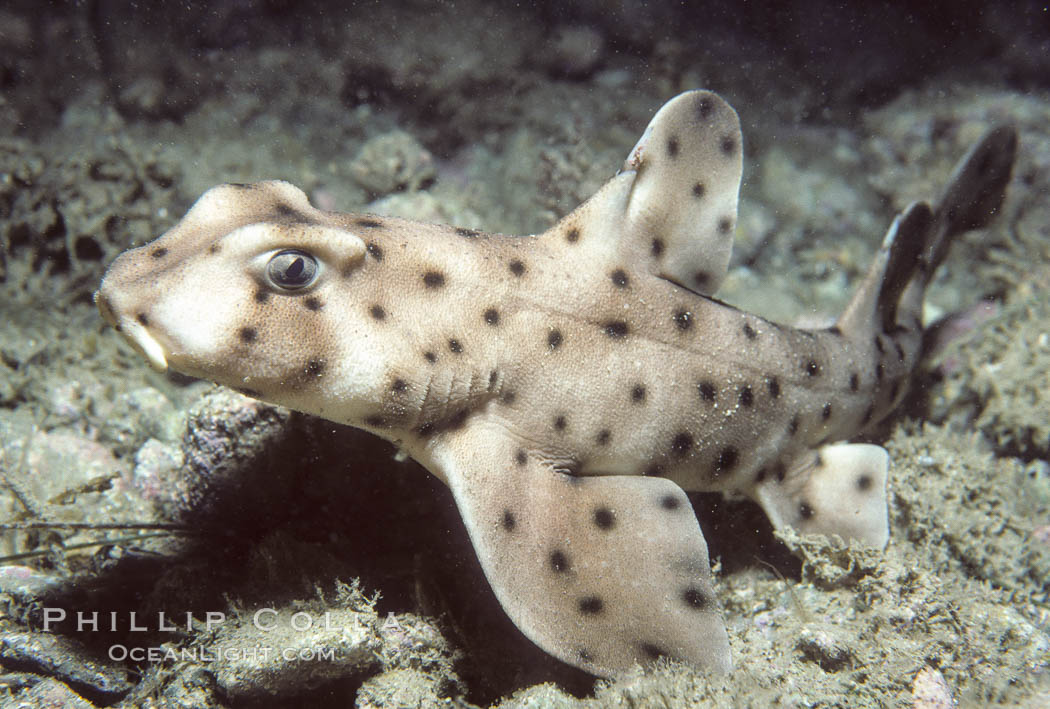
918	240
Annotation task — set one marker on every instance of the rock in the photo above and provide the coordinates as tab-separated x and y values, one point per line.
65	659
393	162
574	51
50	694
283	652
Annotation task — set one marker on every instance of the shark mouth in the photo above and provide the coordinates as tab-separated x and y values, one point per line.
135	333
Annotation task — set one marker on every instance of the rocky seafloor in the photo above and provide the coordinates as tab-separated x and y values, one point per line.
127	491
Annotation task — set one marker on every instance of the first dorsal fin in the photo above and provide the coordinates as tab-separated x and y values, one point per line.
672	208
683	200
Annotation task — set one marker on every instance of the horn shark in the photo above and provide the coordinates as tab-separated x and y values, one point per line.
568	386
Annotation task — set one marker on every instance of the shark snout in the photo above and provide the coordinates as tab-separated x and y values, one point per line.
134	327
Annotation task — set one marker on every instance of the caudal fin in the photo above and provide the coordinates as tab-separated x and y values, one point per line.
919	238
975	191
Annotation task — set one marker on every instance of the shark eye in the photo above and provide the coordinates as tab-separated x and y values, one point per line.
292	270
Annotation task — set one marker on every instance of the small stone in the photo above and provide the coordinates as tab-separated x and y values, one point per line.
930	691
823	648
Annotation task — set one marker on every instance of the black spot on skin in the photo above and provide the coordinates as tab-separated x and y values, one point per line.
554	339
818	462
728	145
559	561
749	332
454	346
247	334
591	605
670	503
375	421
285	211
430	357
812	368
826	413
760	476
727	459
725	225
616	329
879	346
493	376
672	147
521	457
583	656
793	426
682	443
377	312
779	471
653	471
214	249
604	518
695	599
747	398
508	521
572	235
159	252
377	253
368	223
433	279
509	397
399	385
560	423
868	414
492	316
698	190
143	320
704	107
313	304
895	389
603	437
638	393
517	268
261	296
900	351
864	483
805	511
468	233
619	278
773	384
657	248
880	372
426	429
315	367
701	278
683	320
707	390
854	382
652	651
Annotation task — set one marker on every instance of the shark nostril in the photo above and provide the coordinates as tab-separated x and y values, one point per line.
105	309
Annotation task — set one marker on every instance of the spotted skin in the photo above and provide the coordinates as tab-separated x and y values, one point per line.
567	386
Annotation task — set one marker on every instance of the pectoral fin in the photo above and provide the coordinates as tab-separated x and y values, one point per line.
602	572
